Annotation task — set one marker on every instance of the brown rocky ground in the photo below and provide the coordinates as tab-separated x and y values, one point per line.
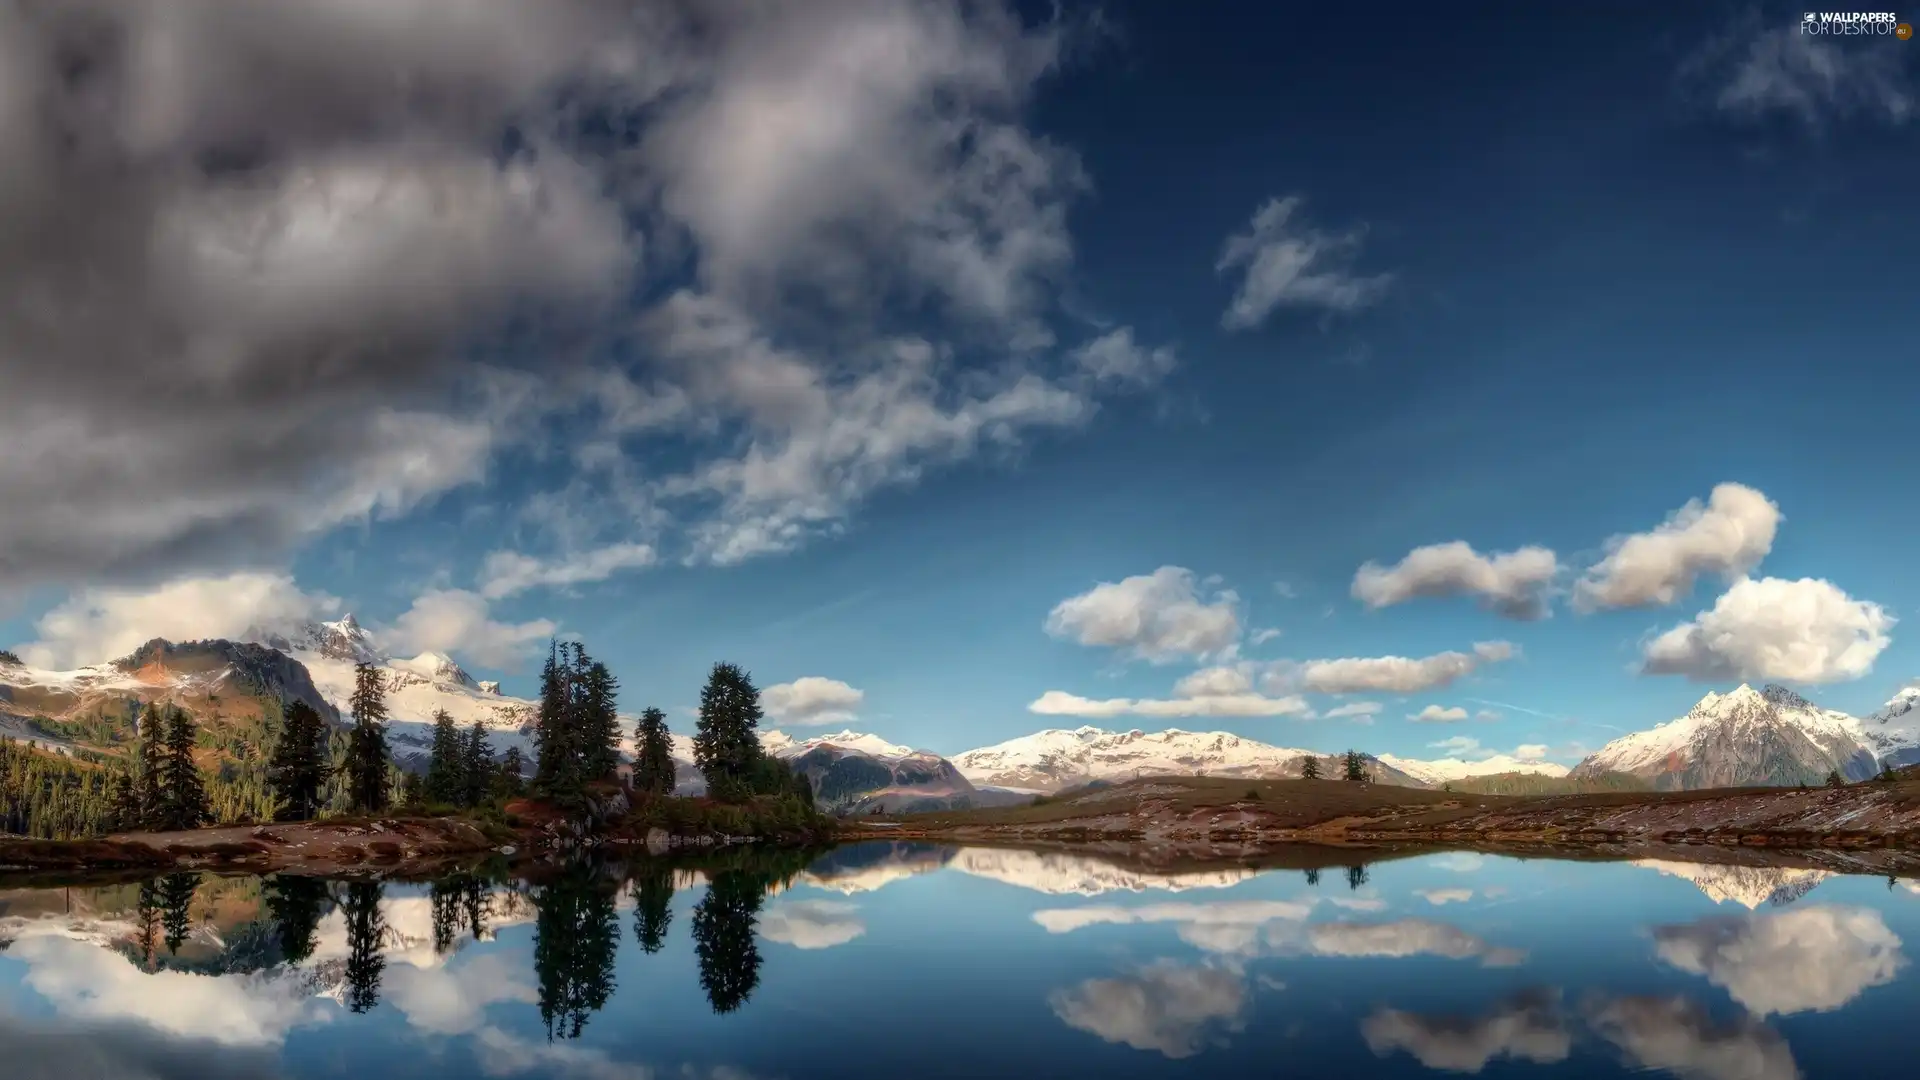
317	847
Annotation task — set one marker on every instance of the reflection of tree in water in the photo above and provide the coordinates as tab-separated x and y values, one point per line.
175	897
575	937
652	907
146	913
1313	877
296	905
444	897
723	938
1356	876
366	927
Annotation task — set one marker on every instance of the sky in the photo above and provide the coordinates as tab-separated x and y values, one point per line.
1502	381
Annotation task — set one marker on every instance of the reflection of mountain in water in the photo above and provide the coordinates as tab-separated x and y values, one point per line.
1748	886
858	868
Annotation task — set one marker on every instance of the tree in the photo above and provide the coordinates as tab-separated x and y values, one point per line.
152	781
476	756
1356	876
184	796
126	802
1313	876
652	907
1309	767
296	906
652	753
176	903
1834	779
412	792
1354	765
599	717
576	935
557	773
366	929
512	772
726	741
298	769
446	763
368	783
723	938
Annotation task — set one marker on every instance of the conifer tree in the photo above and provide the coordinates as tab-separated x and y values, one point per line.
152	770
599	718
557	773
126	802
298	769
446	763
476	774
726	741
413	793
368	779
1309	767
512	773
185	793
652	753
1355	766
366	933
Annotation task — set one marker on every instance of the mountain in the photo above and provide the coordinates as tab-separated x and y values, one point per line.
853	773
1743	737
1048	761
1445	770
1748	886
1894	730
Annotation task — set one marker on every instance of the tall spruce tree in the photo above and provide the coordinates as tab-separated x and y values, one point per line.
366	927
1354	766
512	773
599	718
184	798
152	778
652	753
125	813
557	773
298	770
369	781
446	762
477	768
726	741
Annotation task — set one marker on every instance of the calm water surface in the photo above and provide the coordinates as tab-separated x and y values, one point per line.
927	961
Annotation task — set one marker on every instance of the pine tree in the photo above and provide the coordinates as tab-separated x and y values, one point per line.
1834	779
153	764
652	754
185	793
413	793
368	780
366	927
477	771
726	741
512	773
126	802
1309	767
557	773
446	763
297	772
599	718
1355	766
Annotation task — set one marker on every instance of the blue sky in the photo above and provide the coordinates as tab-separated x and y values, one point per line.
850	367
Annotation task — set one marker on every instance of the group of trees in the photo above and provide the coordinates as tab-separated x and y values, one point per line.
577	729
166	790
726	743
461	771
1353	766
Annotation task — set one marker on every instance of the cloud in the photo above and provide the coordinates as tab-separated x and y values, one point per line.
812	700
1460	862
453	999
1461	746
508	572
1676	1035
1809	959
1531	751
1728	536
1115	357
1528	1027
1355	709
1435	714
43	1049
1408	937
1807	631
812	924
1441	897
96	625
1173	1010
1158	617
1754	72
1513	583
1061	703
1488	715
1398	674
1228	926
1286	263
459	622
1263	635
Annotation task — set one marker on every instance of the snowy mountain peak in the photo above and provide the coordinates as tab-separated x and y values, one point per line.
1058	758
1446	770
1745	736
343	639
439	667
1783	697
780	744
1894	728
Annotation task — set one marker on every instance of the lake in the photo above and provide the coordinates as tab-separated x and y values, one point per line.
921	960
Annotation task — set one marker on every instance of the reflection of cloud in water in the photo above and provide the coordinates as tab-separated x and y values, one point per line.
1227	926
1678	1036
1527	1027
500	1053
1460	862
1363	903
1060	874
1438	897
1174	1010
454	999
811	924
55	1050
1407	937
1809	959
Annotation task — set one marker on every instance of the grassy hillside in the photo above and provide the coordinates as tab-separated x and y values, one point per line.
1533	784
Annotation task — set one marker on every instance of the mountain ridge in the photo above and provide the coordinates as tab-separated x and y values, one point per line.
1743	737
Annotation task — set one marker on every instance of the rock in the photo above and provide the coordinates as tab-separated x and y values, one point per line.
507	849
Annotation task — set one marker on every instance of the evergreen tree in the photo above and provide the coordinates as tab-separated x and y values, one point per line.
475	899
297	772
413	794
652	907
723	939
557	773
126	802
512	773
296	905
1313	876
652	754
576	935
446	763
1309	767
146	914
152	780
1356	876
366	928
443	896
369	789
176	905
726	741
599	719
1354	766
477	771
1834	779
184	795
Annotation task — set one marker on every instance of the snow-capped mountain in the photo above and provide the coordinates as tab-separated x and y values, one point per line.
1748	886
782	745
1048	761
1894	729
1446	770
1746	736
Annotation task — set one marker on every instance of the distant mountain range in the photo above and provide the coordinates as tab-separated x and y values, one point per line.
1048	761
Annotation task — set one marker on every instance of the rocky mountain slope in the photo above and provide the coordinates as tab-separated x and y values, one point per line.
1894	729
1746	736
1048	761
1445	770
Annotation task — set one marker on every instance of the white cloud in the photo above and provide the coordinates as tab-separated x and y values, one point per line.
1408	937
1809	959
1061	703
1225	926
812	924
1512	583
1115	357
1728	536
1398	674
1464	747
460	623
1263	635
1488	715
510	572
1679	1036
103	624
1527	1028
1158	617
1355	709
1531	751
1174	1010
1288	264
1807	631
1442	897
812	700
1816	79
1435	714
453	999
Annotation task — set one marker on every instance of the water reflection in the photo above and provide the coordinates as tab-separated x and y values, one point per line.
975	962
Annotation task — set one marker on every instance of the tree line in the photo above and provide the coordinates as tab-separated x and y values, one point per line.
1353	766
